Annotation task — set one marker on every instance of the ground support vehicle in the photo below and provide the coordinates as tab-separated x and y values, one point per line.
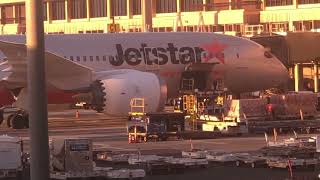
72	158
250	160
154	126
225	127
284	163
13	161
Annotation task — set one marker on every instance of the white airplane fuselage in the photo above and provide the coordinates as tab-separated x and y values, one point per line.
242	65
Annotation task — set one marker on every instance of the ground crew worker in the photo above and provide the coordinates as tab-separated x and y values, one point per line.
270	110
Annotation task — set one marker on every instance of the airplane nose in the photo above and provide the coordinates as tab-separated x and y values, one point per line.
281	75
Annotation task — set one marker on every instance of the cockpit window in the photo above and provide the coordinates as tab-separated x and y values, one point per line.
267	54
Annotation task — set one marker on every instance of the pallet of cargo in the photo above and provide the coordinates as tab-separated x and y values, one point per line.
307	126
100	173
115	158
194	154
293	162
161	167
143	159
221	158
79	175
126	174
189	163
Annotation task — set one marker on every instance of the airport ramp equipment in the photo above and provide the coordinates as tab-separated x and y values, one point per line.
194	154
11	157
140	159
126	174
242	109
71	155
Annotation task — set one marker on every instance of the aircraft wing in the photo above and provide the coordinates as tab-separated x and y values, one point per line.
60	72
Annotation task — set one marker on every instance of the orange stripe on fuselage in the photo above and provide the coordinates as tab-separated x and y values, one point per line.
54	97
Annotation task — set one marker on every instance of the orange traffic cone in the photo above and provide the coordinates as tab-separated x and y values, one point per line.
191	145
77	114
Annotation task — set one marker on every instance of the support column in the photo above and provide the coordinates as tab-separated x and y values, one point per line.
1	16
88	9
129	8
178	6
146	11
291	26
295	3
15	19
263	5
49	11
230	4
315	76
298	75
109	8
68	10
204	5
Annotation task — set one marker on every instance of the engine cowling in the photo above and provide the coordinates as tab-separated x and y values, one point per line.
116	92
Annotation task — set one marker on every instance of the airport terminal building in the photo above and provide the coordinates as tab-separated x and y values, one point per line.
236	17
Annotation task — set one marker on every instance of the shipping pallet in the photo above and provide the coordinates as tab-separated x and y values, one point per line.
305	126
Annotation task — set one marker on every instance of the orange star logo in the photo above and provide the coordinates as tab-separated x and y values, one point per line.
215	50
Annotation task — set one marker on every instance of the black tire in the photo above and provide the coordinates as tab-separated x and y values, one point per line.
1	116
238	163
26	121
9	119
17	121
253	165
19	175
99	109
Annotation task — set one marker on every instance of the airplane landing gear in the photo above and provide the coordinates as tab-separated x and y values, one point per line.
18	120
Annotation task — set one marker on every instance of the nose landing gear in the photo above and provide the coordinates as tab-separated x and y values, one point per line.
18	120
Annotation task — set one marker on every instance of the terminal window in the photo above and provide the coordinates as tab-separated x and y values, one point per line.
58	10
78	9
166	6
7	14
279	2
308	1
20	13
118	7
98	8
215	5
136	7
191	5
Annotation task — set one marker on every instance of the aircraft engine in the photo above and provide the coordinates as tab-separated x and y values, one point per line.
114	94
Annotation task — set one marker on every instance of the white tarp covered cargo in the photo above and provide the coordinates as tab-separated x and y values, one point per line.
10	153
245	108
72	155
292	104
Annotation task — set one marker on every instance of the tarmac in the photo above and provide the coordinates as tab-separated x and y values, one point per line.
109	134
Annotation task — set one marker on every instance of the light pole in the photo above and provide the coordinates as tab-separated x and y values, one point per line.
37	91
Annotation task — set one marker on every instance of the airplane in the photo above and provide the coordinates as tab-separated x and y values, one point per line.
55	96
117	67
